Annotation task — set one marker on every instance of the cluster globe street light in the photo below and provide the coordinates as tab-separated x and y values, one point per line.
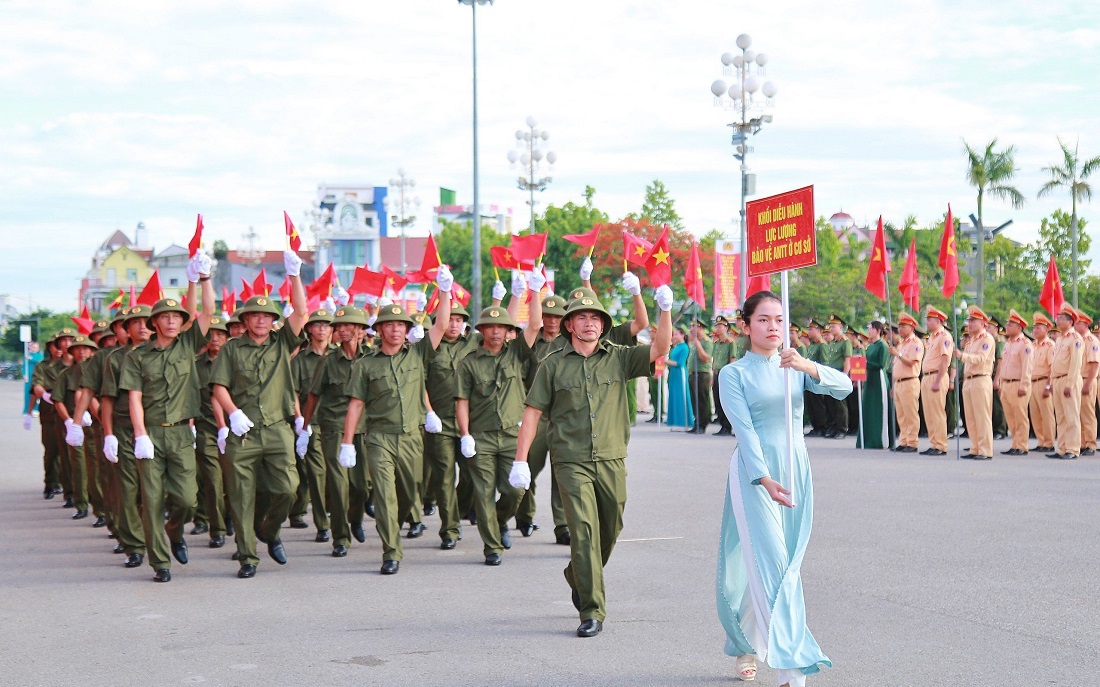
401	204
533	159
747	70
475	262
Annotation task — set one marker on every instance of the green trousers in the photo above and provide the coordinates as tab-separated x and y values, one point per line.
262	463
441	455
78	475
489	470
311	482
396	468
92	473
64	468
342	483
169	478
594	495
51	454
131	532
212	492
536	460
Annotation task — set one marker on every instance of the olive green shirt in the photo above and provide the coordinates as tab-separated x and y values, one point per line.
91	377
258	376
721	352
442	379
304	366
45	375
493	384
392	387
586	400
693	362
204	366
740	347
331	385
166	378
619	334
120	415
65	387
814	352
834	353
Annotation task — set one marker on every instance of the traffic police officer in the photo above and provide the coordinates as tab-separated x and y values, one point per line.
936	366
908	355
977	391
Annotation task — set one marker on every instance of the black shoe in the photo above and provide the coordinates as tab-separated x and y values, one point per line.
277	552
589	628
163	575
112	535
217	541
200	528
723	433
339	551
298	524
1088	451
505	538
322	536
652	419
390	567
134	560
472	517
47	493
1068	456
179	551
369	508
247	570
1054	455
80	514
429	509
68	503
415	530
493	559
1011	452
358	532
100	521
448	544
565	539
927	452
527	528
967	456
840	434
119	549
229	531
935	452
813	433
979	456
236	556
828	434
907	449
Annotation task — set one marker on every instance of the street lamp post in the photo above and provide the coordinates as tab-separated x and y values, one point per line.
475	263
746	70
401	202
529	155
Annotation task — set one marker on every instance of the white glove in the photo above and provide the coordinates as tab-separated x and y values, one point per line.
384	301
432	423
329	304
519	285
342	296
444	279
143	447
239	422
223	434
421	301
292	263
47	398
520	476
499	292
110	448
27	421
415	334
632	284
301	444
199	266
467	446
371	299
586	269
74	434
663	296
371	320
193	271
86	419
347	455
288	310
299	423
536	281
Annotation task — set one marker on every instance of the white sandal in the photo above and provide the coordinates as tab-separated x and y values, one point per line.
746	668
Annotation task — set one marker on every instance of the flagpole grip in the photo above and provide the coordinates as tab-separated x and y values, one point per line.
785	290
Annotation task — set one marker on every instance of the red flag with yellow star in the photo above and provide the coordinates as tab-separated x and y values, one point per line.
1052	297
879	265
117	302
658	261
635	249
152	291
292	236
949	256
693	278
368	282
504	259
394	281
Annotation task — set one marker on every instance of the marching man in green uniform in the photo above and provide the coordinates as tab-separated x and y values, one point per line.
311	464
65	390
388	387
699	380
721	355
582	388
253	383
836	354
209	439
42	379
164	397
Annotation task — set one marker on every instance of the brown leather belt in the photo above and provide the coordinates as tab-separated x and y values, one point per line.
1010	380
1060	376
904	379
1039	379
973	376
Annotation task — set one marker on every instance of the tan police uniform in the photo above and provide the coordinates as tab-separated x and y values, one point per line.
979	356
1041	404
906	383
1014	384
1065	386
1088	386
936	366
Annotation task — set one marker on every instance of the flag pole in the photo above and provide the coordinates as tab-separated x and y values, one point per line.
785	288
958	382
890	417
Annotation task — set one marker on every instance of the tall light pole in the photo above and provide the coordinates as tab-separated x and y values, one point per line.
475	263
529	155
401	202
746	70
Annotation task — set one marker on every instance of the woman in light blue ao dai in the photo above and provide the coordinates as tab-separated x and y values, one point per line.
764	534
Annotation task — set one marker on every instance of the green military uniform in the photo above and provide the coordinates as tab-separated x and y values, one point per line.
168	382
91	378
212	470
834	354
700	382
260	383
493	386
722	352
1000	424
815	403
44	375
64	391
311	467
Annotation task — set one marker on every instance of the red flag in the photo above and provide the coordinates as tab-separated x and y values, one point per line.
760	283
84	322
367	282
394	281
292	236
183	301
260	287
949	255
225	299
1052	298
196	240
529	248
657	261
151	293
133	296
587	240
322	286
909	285
230	305
117	302
430	261
313	303
693	278
879	265
635	249
246	290
457	293
284	291
502	257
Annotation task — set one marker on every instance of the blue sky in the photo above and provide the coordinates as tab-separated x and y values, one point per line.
115	113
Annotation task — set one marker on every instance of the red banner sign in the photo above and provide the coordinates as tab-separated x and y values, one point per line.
781	232
857	368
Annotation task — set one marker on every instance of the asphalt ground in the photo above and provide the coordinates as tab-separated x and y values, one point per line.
921	571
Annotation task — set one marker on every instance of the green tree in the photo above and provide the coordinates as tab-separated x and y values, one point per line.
221	249
43	324
990	171
1072	175
1012	285
1055	239
659	207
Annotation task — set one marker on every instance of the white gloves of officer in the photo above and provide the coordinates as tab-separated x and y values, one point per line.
421	301
223	434
415	333
519	285
292	263
301	444
288	310
467	446
371	299
329	304
27	421
239	422
536	281
342	296
47	398
74	434
143	447
432	423
86	419
110	448
520	476
586	269
663	296
444	279
499	292
385	300
632	284
199	266
347	455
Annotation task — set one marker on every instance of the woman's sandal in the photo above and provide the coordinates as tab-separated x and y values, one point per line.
746	668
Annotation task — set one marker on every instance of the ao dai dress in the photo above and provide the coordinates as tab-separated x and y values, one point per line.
759	585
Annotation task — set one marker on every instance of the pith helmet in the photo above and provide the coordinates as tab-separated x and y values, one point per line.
495	315
169	305
62	333
581	292
101	327
320	315
85	341
259	304
233	319
218	323
392	313
138	312
349	314
553	305
457	309
589	303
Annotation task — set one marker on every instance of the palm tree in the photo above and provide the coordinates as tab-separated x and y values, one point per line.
1071	175
989	172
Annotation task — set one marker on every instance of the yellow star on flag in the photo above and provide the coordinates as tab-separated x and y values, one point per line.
639	250
660	256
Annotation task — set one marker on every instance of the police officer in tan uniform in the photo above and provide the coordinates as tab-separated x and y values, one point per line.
1090	362
978	356
1013	383
936	367
1042	403
1065	385
908	355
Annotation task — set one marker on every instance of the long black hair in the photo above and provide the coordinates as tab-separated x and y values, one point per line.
755	300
